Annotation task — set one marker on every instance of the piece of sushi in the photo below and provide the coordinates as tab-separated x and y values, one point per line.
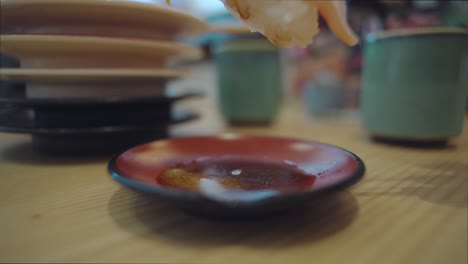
289	23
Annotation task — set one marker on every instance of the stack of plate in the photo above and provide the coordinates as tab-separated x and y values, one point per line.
95	71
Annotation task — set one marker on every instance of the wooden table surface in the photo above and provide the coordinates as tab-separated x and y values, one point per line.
411	207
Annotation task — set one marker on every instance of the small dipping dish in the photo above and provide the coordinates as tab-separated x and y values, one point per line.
236	176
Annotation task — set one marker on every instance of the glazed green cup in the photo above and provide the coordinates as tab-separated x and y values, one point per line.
249	80
415	83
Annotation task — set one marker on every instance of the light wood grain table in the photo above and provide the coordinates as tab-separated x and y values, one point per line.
411	207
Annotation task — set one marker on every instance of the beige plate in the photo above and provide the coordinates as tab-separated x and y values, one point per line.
89	75
39	51
27	16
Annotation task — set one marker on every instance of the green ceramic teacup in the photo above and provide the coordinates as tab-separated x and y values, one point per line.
415	83
249	80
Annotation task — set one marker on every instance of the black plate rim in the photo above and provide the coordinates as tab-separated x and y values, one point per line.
178	117
93	102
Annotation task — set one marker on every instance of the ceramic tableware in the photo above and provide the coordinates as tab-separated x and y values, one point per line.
234	175
61	52
415	83
249	80
117	18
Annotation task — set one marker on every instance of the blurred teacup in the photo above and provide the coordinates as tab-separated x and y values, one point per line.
414	84
324	95
249	80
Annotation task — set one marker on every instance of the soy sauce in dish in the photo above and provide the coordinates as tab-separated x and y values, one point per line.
237	174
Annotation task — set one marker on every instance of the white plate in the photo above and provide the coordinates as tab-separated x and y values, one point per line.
40	51
92	83
93	17
89	75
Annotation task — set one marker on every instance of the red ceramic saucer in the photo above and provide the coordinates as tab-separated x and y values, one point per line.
232	175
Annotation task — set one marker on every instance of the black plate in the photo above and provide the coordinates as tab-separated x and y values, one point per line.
39	103
105	112
86	141
22	121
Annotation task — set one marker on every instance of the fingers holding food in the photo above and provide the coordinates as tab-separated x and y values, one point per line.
292	23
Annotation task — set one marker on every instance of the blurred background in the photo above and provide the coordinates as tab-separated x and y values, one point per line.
327	59
245	80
